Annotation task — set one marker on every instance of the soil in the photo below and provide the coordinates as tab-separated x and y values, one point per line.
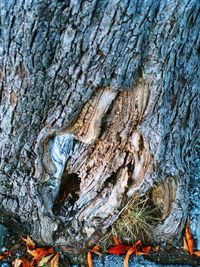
171	256
168	255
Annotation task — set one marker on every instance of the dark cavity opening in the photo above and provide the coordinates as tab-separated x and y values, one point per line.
68	194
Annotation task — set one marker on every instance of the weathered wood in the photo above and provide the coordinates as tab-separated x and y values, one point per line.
101	93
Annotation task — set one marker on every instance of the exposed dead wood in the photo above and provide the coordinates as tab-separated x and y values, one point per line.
98	103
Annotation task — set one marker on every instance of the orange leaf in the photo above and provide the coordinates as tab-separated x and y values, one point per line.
29	242
138	243
89	259
5	254
23	262
117	241
141	253
45	259
147	249
119	250
96	249
39	253
185	245
128	254
54	261
189	238
197	253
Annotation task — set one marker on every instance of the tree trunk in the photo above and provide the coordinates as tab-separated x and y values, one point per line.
99	102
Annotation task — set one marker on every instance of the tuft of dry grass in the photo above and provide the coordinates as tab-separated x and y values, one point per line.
136	220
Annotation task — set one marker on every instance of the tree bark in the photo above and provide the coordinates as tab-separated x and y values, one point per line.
99	101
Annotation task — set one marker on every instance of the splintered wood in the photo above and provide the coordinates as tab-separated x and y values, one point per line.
108	154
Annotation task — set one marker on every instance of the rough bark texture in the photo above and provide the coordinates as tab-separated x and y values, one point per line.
99	99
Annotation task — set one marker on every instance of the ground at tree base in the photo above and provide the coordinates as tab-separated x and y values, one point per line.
111	261
166	259
171	257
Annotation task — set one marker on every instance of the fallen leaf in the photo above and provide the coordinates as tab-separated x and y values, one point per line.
29	242
138	243
5	254
44	260
128	254
39	253
22	262
138	249
189	238
185	245
96	249
119	250
55	260
197	253
147	249
141	253
89	259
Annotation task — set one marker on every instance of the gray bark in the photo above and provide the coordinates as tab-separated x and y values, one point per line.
99	98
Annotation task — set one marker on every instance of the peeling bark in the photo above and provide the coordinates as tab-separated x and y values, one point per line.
99	101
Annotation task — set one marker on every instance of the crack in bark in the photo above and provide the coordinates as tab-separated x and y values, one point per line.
98	198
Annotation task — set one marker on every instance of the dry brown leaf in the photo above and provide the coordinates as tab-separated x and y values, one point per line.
147	249
138	249
189	238
5	254
188	241
197	253
138	243
29	242
39	253
89	259
55	260
45	259
185	245
141	253
128	254
96	249
22	262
